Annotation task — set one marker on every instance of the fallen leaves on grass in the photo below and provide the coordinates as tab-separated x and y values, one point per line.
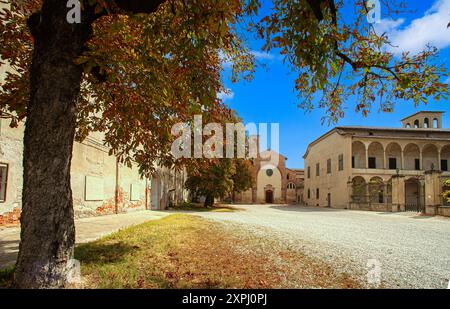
184	251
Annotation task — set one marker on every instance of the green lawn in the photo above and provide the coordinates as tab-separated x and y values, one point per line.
6	276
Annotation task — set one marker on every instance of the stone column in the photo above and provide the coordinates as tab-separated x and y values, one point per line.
439	160
367	158
421	160
402	165
433	187
398	193
349	194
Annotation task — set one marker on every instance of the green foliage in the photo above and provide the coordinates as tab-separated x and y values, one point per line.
242	178
215	180
220	179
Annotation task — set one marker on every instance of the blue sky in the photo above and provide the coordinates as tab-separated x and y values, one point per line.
270	97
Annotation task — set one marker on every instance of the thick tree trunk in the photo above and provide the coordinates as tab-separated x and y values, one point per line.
47	223
209	201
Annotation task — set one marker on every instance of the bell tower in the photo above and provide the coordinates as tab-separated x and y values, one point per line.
423	120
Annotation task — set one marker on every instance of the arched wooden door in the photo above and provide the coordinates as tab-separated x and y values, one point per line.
269	196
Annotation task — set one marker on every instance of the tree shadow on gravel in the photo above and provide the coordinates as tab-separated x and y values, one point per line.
305	209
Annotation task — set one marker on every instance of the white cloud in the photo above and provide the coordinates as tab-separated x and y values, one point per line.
259	55
226	95
431	29
262	55
226	61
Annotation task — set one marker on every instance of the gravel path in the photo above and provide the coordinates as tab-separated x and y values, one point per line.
414	251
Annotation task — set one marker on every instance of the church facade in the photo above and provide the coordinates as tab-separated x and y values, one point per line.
273	182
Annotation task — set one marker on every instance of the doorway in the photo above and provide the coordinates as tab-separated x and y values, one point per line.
269	197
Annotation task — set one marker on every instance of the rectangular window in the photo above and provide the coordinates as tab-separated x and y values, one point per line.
317	193
3	181
392	163
341	162
309	193
417	164
353	162
329	166
444	165
318	169
309	172
372	162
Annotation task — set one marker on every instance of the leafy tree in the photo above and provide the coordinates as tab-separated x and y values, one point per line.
132	68
215	181
220	178
242	177
326	48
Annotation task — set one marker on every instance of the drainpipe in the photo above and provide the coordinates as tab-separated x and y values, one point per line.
146	193
116	196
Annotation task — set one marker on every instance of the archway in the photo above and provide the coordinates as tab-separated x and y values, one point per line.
359	190
411	155
376	190
376	155
394	156
358	155
445	158
435	123
430	157
414	197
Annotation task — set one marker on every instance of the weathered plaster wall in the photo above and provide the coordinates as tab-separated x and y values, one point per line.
94	175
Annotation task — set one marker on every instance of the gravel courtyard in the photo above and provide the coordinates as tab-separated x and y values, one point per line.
414	251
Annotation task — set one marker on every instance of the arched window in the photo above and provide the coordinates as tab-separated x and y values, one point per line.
291	185
287	177
435	123
416	124
408	125
426	123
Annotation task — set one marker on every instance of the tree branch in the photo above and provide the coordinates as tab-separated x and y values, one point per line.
139	6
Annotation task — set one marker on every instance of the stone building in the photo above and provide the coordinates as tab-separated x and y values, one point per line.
273	182
382	169
100	184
